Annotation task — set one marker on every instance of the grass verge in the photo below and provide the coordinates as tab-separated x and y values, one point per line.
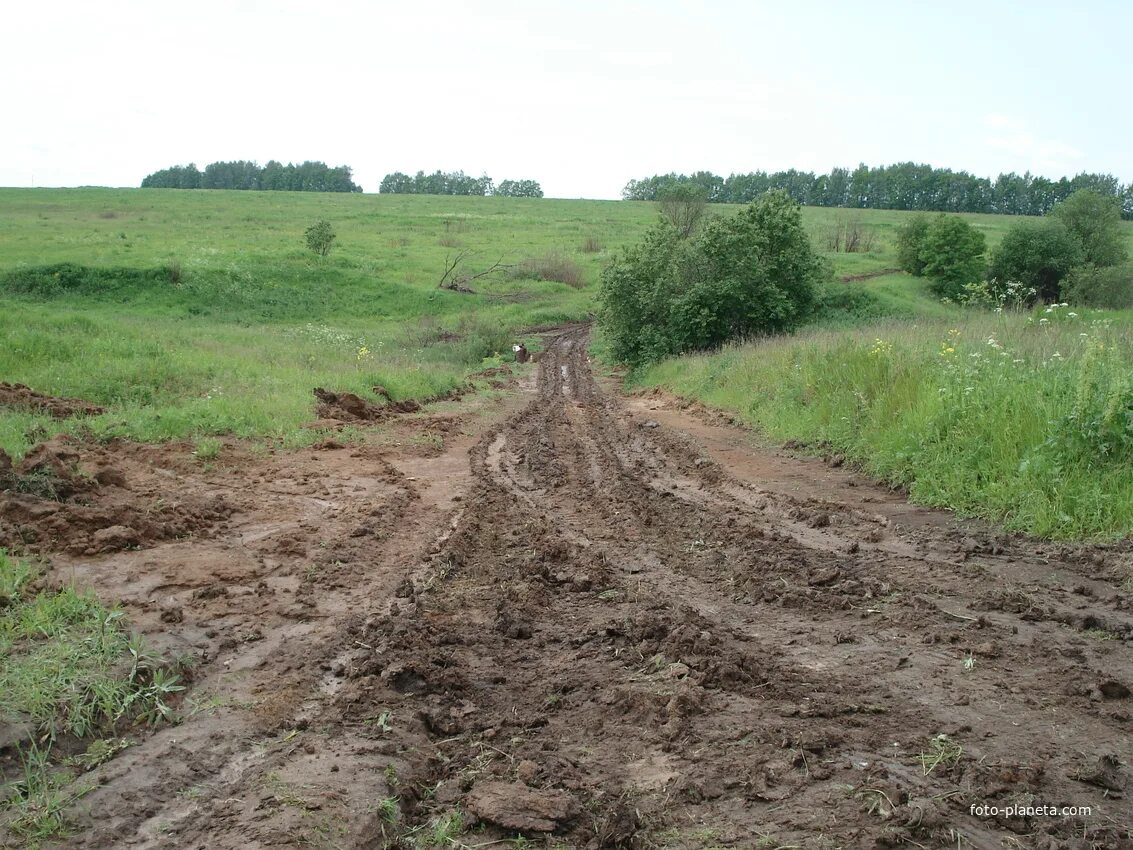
1023	419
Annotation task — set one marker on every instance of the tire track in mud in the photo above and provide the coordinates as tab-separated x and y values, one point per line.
611	641
622	645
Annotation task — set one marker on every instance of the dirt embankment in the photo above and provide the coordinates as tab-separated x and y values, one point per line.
25	398
618	626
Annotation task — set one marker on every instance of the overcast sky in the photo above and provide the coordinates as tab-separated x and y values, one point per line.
578	95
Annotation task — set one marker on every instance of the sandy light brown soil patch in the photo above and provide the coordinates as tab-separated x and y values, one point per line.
600	622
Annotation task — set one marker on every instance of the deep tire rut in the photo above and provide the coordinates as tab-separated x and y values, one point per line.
696	663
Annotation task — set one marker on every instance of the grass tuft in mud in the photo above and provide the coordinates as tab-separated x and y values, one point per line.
68	668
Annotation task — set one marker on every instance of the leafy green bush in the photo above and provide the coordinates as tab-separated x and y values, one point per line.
320	237
637	290
1095	221
1037	254
1109	288
952	254
747	274
910	238
945	249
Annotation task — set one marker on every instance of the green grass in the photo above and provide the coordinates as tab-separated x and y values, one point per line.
33	806
68	667
161	379
191	315
194	314
441	831
1024	419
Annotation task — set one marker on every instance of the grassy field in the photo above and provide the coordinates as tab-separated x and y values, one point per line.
207	314
198	313
202	313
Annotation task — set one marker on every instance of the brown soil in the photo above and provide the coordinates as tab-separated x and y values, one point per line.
606	622
18	395
852	278
337	409
349	407
75	498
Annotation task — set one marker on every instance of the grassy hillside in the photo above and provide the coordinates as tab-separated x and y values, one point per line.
195	313
205	313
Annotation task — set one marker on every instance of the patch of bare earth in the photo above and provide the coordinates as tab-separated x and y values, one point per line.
600	622
24	397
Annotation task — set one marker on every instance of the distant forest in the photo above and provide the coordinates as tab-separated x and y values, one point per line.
904	186
241	174
456	183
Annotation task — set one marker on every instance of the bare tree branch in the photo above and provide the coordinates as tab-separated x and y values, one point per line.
456	280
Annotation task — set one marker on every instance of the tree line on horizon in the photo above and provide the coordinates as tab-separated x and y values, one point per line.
309	176
456	183
903	186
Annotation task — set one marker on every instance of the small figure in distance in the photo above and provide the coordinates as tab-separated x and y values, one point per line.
521	354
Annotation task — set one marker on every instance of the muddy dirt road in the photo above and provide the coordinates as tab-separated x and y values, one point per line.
606	622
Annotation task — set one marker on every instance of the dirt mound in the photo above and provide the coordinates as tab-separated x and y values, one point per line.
28	522
25	398
455	394
351	407
55	499
49	471
685	645
57	461
498	377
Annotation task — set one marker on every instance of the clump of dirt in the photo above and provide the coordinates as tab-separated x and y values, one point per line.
352	407
409	658
688	646
515	806
455	394
49	471
55	500
25	398
32	523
